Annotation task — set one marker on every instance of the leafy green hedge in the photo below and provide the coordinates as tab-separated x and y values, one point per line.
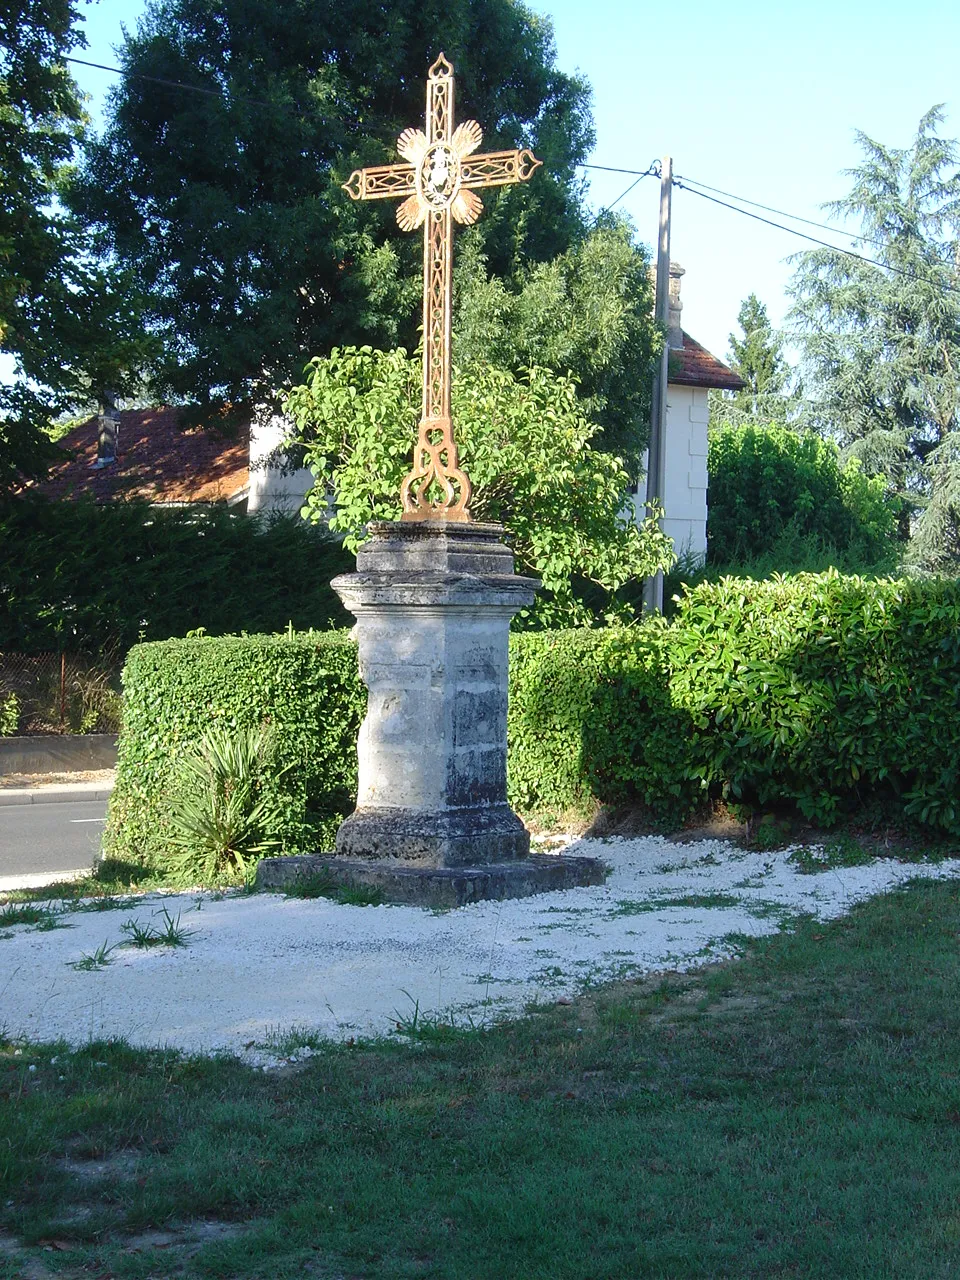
824	690
772	489
590	719
97	579
305	687
821	691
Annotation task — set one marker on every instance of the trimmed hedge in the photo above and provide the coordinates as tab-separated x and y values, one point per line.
819	691
822	692
590	719
305	687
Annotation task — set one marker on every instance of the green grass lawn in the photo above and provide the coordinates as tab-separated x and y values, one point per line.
796	1113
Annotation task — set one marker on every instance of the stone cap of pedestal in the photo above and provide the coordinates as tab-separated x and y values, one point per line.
435	546
412	589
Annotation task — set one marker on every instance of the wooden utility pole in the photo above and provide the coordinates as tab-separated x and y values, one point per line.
656	457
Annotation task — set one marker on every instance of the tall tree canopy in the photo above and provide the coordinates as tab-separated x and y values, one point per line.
226	202
881	344
40	119
757	356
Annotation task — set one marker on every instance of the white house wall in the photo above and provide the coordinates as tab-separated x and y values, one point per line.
271	490
685	471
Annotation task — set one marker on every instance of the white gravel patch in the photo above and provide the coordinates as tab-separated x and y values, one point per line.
256	967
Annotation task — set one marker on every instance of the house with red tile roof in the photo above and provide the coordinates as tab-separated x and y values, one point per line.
153	458
148	454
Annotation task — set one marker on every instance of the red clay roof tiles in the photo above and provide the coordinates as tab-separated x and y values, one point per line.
694	366
155	460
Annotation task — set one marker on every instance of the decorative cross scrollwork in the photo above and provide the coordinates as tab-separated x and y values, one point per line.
438	184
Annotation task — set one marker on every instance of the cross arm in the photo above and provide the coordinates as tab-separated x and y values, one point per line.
381	182
498	169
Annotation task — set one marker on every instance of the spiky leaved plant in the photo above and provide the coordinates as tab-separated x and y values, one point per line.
221	823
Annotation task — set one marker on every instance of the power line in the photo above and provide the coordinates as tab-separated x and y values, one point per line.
171	84
794	217
653	170
849	253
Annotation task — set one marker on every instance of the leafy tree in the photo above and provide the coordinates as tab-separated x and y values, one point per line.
227	204
40	119
588	312
529	452
70	320
758	356
881	343
773	490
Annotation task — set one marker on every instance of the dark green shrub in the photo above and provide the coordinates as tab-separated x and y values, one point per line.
785	495
591	721
97	579
303	688
824	691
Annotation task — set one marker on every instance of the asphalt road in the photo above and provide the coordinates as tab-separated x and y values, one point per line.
63	836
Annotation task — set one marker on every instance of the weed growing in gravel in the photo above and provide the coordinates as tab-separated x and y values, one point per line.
173	934
105	902
697	901
23	913
324	886
432	1028
842	851
290	1041
98	959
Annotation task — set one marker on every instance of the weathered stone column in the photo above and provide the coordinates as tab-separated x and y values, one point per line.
433	602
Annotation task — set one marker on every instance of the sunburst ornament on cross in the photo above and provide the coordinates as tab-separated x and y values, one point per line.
438	185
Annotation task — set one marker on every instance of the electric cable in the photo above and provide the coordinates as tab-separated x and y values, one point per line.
652	171
849	253
171	84
794	217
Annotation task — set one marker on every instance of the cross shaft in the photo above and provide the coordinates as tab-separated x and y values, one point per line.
438	183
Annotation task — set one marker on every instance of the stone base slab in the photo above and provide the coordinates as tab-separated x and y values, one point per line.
441	838
435	886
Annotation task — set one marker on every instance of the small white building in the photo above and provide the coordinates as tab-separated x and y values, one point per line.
692	372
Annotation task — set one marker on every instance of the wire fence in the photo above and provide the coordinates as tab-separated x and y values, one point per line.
57	693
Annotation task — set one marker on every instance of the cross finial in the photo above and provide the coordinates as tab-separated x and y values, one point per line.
438	185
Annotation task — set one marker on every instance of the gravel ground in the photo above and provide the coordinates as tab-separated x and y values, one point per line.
256	967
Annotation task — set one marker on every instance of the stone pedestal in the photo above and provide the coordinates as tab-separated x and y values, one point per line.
433	602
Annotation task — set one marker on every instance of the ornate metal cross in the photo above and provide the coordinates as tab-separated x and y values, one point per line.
439	181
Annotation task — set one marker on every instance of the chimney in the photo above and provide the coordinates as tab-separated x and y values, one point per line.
674	330
108	430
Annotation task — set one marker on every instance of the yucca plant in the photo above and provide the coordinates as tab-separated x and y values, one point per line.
220	822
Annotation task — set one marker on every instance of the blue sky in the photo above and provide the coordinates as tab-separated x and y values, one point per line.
754	98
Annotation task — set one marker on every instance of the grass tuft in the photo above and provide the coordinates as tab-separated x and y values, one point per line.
172	934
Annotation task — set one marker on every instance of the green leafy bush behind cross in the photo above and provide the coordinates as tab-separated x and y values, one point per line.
824	692
526	445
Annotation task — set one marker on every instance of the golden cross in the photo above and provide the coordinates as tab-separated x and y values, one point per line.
439	182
